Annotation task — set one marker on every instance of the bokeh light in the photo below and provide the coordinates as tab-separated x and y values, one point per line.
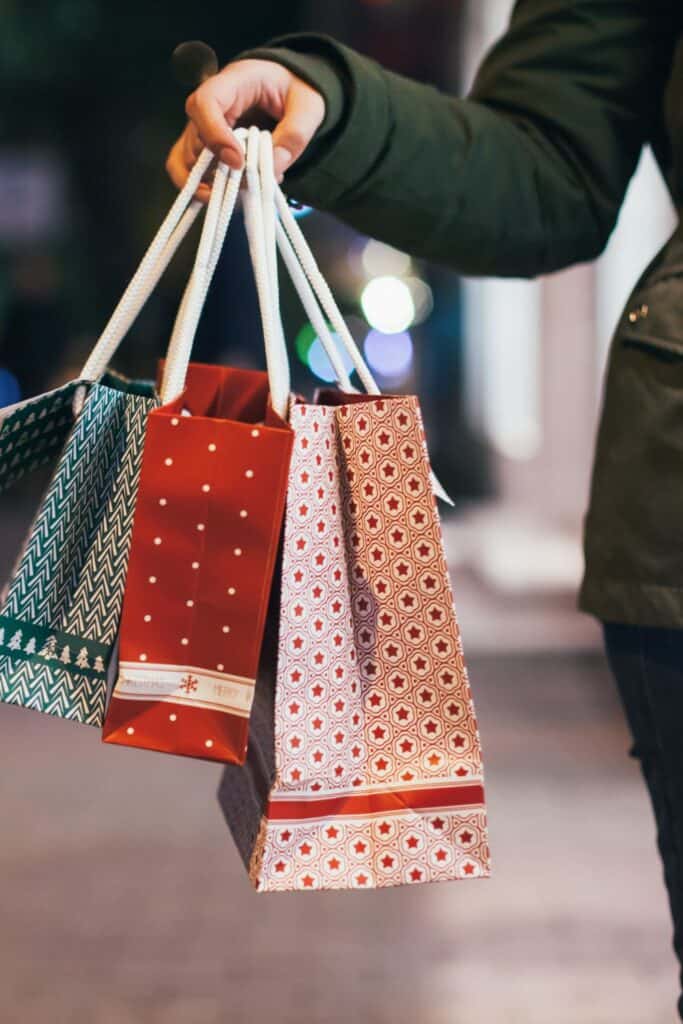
319	363
388	304
389	355
10	392
423	300
379	259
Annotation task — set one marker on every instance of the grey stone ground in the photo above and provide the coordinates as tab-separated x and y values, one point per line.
121	899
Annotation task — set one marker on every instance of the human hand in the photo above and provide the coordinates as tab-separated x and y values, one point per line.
242	93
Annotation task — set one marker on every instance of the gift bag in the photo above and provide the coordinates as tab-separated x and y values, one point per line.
364	767
206	532
60	611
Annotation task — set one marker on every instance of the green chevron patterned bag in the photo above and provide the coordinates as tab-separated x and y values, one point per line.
60	613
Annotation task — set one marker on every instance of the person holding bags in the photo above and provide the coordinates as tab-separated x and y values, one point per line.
525	176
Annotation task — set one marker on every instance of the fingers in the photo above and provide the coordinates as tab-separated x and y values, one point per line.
304	111
208	115
182	159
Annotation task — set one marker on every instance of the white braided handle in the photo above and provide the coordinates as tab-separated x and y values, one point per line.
260	226
290	230
175	226
224	193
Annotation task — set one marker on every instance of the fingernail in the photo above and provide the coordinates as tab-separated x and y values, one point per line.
282	158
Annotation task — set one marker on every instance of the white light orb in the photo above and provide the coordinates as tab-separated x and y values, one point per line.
388	304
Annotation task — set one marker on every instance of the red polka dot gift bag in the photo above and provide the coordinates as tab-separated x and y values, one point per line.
364	765
206	531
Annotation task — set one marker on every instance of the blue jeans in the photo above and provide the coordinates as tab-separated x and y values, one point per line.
647	664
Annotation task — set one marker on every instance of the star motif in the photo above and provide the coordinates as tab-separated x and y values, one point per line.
430	727
376	554
317	723
308	881
370	668
406	746
434	760
333	864
391	650
338	737
414	633
300	544
425	695
294	708
387	861
437	823
418	518
392	504
441	855
332	832
415	875
420	665
318	625
317	592
297	643
320	559
374	700
381	764
355	752
384	828
468	869
435	614
407	601
402	714
424	550
295	775
430	583
447	678
318	657
362	879
336	607
412	842
303	510
285	836
458	741
298	576
397	536
388	469
409	451
359	847
295	742
280	866
398	682
317	756
298	610
386	619
402	569
305	850
378	732
362	423
372	522
414	484
317	690
441	646
339	705
466	837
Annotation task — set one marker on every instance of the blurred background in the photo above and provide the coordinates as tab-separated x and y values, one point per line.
120	896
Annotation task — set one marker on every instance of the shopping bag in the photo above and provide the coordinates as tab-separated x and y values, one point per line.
364	767
207	527
60	612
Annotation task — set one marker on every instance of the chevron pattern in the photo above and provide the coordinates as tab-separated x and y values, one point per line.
71	576
33	432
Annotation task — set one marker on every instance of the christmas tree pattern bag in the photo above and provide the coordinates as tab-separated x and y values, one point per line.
60	611
60	615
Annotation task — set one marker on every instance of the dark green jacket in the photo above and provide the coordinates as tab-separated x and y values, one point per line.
523	177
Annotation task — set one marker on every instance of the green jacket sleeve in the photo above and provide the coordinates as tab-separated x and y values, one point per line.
524	176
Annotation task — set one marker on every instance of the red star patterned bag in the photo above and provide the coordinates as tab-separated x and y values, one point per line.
207	525
364	764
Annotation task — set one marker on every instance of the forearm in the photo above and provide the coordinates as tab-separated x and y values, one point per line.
525	176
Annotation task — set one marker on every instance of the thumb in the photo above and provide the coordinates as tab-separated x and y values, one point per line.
303	115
